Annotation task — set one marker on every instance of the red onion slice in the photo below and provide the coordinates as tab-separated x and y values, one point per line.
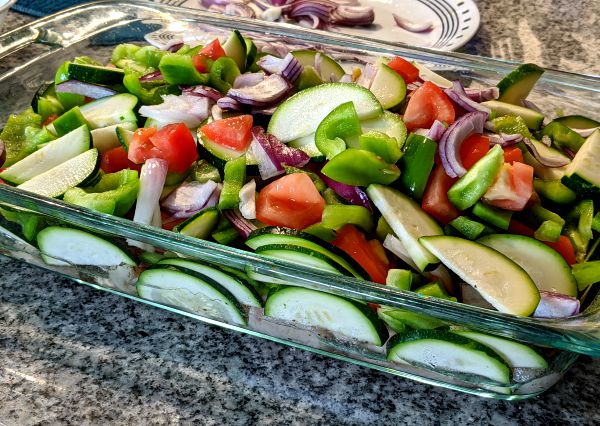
459	96
153	76
93	91
243	226
190	196
548	162
352	194
229	104
482	95
353	15
239	9
248	79
436	131
556	305
412	26
504	139
289	67
266	93
188	109
205	91
286	154
449	146
260	148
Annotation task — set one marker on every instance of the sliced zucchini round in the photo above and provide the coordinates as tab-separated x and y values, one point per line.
200	225
446	351
301	256
313	308
243	292
191	292
388	87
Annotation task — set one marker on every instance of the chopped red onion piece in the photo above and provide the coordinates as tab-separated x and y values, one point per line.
153	76
393	244
205	91
280	2
285	154
216	112
216	8
173	45
545	161
189	196
214	198
188	109
93	91
152	181
482	95
248	79
260	147
530	105
413	86
266	93
264	110
228	104
239	9
367	76
436	131
504	139
556	305
346	78
248	200
353	15
570	153
546	140
243	226
352	194
459	96
449	147
412	26
289	67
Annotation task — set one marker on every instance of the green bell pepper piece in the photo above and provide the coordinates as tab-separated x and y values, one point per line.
67	100
319	231
562	136
337	215
492	215
330	197
21	223
468	227
554	190
434	289
399	278
225	233
49	105
596	222
14	136
360	168
381	144
70	120
579	230
124	51
417	163
383	229
149	56
512	124
152	96
179	69
38	136
204	171
538	214
233	180
223	73
336	128
549	230
586	274
115	193
475	183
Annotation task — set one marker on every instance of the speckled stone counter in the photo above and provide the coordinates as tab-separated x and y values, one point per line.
73	355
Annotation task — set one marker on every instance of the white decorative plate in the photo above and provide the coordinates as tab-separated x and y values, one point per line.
453	22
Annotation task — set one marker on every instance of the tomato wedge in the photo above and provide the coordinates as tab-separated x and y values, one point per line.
512	188
292	201
473	149
408	71
173	143
563	246
435	199
512	154
353	242
234	132
213	50
427	104
201	62
115	160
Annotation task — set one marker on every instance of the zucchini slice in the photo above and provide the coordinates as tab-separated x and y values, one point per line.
311	308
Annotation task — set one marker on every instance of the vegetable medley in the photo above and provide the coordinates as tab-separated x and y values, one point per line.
385	171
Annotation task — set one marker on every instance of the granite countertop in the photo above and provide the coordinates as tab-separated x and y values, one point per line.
73	355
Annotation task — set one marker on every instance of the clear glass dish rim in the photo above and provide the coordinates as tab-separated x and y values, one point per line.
543	332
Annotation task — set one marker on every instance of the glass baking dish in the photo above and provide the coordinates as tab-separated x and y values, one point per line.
32	53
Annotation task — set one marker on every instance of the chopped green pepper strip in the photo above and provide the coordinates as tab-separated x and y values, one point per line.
586	274
49	105
337	215
562	136
512	124
233	180
381	144
492	215
417	163
360	168
225	233
399	278
14	135
596	222
468	227
38	136
70	120
179	69
579	228
115	193
124	51
549	230
223	73
338	126
383	229
434	289
319	231
149	56
152	96
20	222
541	214
554	190
475	183
204	171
